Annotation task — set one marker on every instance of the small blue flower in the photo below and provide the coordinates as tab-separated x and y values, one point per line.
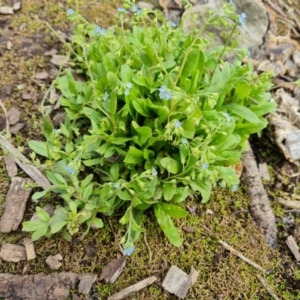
232	3
129	85
137	10
56	130
235	187
154	172
248	52
70	11
184	141
127	92
177	124
242	19
70	170
106	96
128	251
100	31
164	93
173	24
227	116
117	185
205	166
122	10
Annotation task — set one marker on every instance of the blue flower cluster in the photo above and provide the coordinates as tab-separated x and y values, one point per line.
100	31
128	88
70	170
128	251
164	93
70	11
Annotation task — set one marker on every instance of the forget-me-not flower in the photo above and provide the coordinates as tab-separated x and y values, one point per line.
100	31
205	166
70	11
136	10
242	19
106	96
127	92
184	141
164	93
128	251
129	85
173	24
122	10
117	185
227	116
154	172
177	124
70	170
235	187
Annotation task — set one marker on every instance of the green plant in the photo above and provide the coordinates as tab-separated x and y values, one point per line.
158	117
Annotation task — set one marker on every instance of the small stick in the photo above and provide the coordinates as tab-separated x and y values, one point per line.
133	288
148	247
5	114
241	256
288	203
267	287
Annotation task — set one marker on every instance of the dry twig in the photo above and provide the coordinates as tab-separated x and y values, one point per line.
241	256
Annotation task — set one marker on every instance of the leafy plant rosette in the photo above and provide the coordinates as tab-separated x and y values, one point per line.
157	118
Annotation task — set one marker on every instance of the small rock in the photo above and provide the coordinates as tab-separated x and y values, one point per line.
21	86
264	171
51	52
6	10
53	261
296	57
59	60
16	128
42	75
14	253
177	282
9	45
277	67
209	212
13	116
53	96
53	73
86	283
192	209
144	5
189	229
29	248
5	91
22	26
17	6
59	118
291	68
194	274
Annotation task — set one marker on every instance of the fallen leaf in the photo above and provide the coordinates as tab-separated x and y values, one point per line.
16	128
6	10
112	271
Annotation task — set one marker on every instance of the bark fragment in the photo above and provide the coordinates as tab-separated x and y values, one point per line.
260	207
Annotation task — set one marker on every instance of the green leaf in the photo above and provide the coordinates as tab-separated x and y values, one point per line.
142	106
191	62
58	226
56	178
204	189
87	180
126	73
135	226
167	225
171	165
44	216
73	207
38	195
144	133
134	156
114	171
264	108
87	192
125	195
173	210
188	129
162	112
181	194
92	162
40	233
169	190
39	147
96	222
243	112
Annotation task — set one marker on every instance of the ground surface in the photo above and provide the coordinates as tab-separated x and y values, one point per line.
226	216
